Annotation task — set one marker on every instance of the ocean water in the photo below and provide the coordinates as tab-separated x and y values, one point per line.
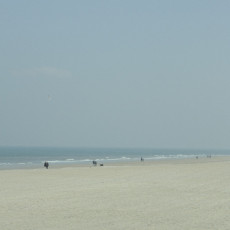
34	157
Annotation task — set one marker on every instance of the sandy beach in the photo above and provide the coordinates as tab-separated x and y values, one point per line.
173	194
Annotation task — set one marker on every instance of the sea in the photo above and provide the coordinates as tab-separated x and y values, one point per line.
34	157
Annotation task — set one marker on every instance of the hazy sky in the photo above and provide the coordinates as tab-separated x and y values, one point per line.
121	73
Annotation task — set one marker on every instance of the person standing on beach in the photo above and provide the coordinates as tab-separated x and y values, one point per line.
46	164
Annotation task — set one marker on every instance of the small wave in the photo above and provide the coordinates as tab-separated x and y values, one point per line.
126	158
5	163
172	156
85	160
118	159
55	161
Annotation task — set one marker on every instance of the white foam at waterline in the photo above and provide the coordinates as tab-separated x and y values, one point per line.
85	160
5	163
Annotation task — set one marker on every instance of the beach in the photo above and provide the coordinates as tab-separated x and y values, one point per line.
167	194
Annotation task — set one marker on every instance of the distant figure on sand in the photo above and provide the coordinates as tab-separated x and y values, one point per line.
46	165
142	159
94	163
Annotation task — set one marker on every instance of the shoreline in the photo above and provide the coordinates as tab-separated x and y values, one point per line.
125	163
34	157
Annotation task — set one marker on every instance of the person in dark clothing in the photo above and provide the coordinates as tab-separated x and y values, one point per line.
46	165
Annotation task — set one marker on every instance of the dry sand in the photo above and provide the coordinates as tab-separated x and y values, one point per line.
177	194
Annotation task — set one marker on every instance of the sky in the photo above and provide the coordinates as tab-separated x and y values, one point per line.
151	74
